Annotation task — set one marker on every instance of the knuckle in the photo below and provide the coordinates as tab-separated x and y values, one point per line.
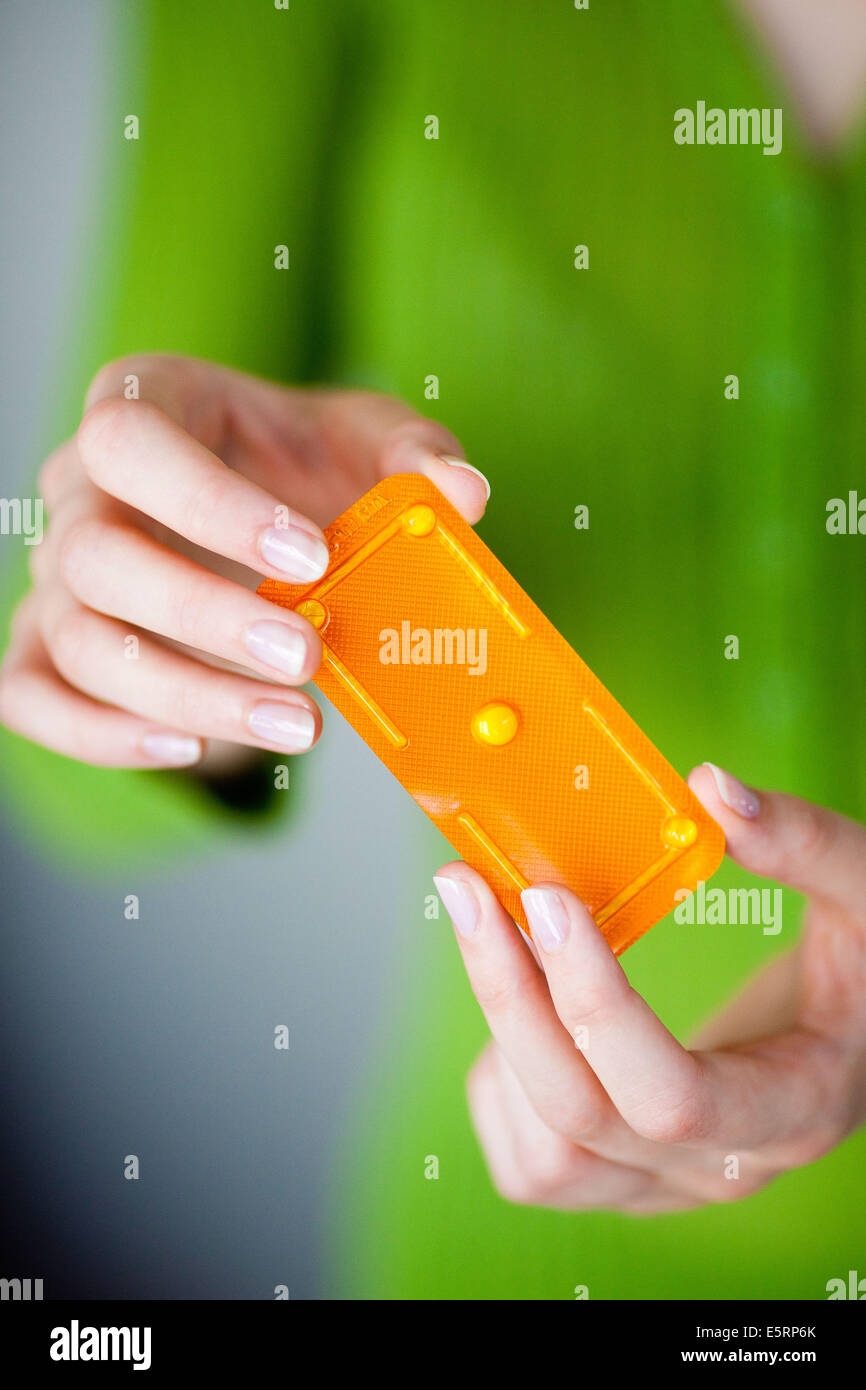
596	1005
76	551
498	993
578	1121
204	509
187	707
674	1117
105	432
67	639
517	1188
101	428
51	474
548	1167
189	605
38	561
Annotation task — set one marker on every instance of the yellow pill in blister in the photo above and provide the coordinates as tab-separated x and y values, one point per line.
679	832
495	724
420	520
314	611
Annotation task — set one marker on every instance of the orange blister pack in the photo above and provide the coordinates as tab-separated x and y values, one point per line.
491	721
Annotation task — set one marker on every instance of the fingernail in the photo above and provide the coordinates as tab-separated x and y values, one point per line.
547	916
175	750
735	796
461	463
277	645
282	726
461	904
294	553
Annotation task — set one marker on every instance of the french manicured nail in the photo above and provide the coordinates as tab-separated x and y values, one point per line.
294	552
277	645
461	904
282	726
548	919
174	750
735	796
461	463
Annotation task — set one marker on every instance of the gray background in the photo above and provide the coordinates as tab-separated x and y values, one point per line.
156	1037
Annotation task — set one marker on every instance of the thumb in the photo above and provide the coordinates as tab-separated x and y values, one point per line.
816	851
379	435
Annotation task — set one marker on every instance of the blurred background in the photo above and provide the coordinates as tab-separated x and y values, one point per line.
154	1037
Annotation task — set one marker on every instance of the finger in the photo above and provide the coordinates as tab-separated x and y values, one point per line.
552	1071
531	1164
557	1172
516	1003
326	437
37	704
60	473
120	571
375	436
781	837
494	1129
189	390
664	1092
100	657
654	1083
137	454
257	427
533	1167
78	503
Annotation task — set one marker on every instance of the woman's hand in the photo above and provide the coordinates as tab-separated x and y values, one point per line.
165	512
628	1118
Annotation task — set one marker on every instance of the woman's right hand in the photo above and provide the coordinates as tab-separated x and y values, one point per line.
142	638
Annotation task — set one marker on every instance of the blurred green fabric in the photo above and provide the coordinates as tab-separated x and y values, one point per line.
603	387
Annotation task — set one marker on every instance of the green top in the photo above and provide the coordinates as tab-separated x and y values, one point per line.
605	386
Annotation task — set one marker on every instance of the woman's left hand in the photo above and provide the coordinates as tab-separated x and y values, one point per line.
583	1099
